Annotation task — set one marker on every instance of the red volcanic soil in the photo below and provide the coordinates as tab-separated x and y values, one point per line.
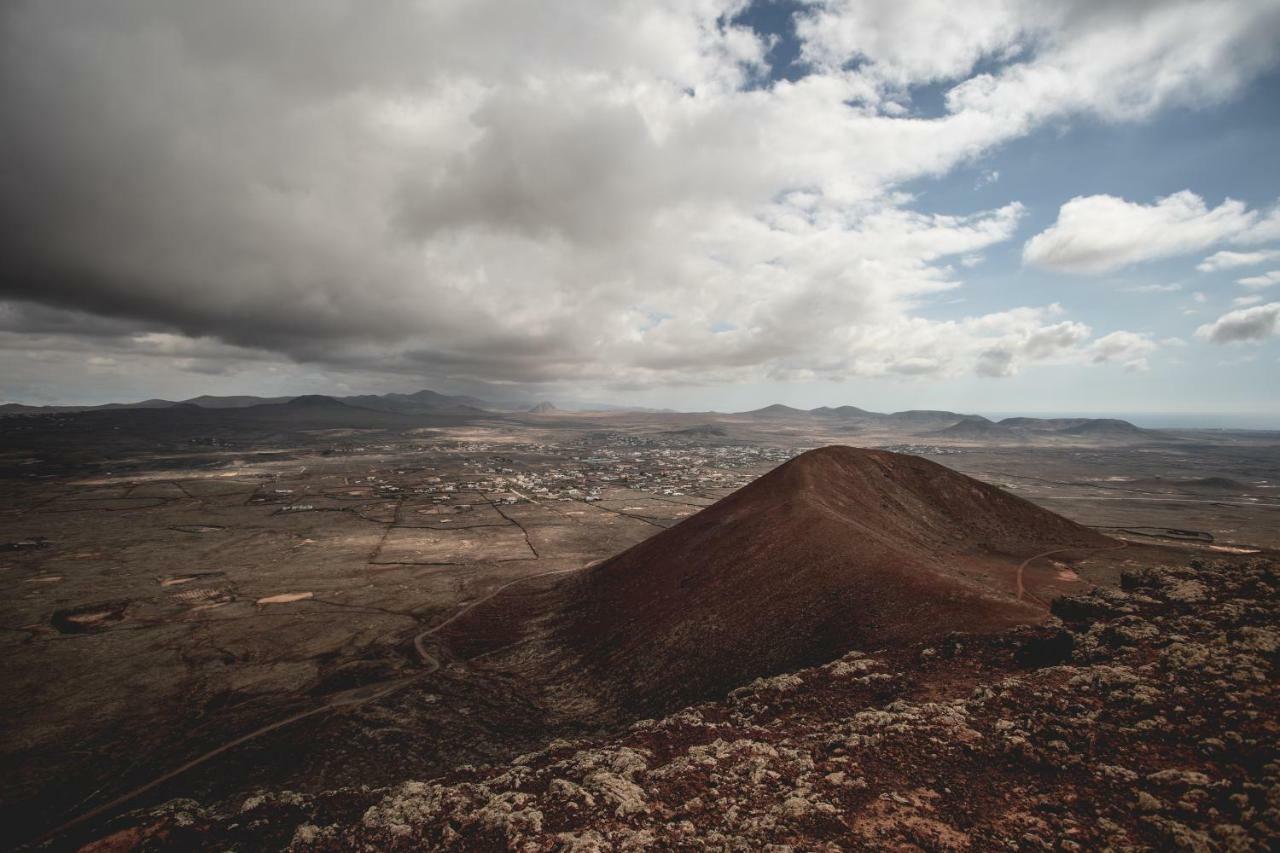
839	548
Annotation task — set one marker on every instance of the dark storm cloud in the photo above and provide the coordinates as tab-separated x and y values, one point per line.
35	319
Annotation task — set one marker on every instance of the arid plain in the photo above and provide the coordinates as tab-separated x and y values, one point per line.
257	597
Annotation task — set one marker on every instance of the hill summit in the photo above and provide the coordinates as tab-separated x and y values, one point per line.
311	401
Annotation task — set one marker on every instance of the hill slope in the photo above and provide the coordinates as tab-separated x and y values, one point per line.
835	549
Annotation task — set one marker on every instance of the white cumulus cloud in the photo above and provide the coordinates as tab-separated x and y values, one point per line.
1258	282
1245	324
1100	233
1226	260
1129	349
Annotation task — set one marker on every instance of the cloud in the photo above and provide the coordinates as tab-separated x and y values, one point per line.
1157	288
1267	230
1129	349
1226	260
995	363
486	193
1260	281
1101	233
1246	324
1121	61
908	42
1041	62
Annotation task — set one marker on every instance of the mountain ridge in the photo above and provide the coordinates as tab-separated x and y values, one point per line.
844	418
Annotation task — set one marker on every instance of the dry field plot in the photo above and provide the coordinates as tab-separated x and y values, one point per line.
577	531
449	516
641	506
473	545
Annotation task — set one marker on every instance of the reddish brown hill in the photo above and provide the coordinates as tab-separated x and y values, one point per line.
835	549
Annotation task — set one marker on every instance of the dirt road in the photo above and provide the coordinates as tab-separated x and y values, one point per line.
1022	591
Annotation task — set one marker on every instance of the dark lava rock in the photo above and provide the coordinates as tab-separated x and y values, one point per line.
1046	649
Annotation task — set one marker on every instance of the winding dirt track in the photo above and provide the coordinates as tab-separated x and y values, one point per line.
1022	591
418	641
351	699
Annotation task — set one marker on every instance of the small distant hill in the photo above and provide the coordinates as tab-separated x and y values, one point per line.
777	410
1047	424
544	408
312	401
1103	427
978	428
315	411
925	419
1199	484
24	409
1106	429
206	401
144	404
1211	483
841	412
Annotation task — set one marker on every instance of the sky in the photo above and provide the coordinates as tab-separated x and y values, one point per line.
996	206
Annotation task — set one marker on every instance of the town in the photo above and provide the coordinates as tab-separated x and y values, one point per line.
587	470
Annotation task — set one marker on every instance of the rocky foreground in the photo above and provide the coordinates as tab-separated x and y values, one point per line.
1148	720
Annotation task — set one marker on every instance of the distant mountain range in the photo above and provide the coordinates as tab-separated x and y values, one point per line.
418	402
939	423
944	424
